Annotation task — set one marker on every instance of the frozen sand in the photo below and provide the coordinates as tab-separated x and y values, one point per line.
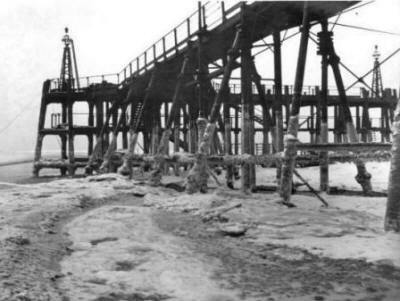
119	248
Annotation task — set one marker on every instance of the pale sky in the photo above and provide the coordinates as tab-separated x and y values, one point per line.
108	34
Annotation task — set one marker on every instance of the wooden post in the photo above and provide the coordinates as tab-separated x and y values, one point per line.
392	217
91	125
291	136
124	130
126	168
185	128
100	148
107	124
228	143
323	105
193	113
287	106
105	166
71	151
358	123
335	124
366	126
176	133
63	137
155	177
42	117
277	105
237	131
198	175
155	132
265	130
247	137
312	127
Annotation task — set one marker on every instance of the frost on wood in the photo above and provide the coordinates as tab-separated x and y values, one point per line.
289	159
198	175
126	168
155	176
363	177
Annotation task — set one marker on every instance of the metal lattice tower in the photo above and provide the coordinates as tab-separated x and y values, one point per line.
377	86
67	69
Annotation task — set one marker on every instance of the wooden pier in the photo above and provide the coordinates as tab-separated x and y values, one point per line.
179	96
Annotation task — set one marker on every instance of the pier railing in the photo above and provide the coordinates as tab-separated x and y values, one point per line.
206	17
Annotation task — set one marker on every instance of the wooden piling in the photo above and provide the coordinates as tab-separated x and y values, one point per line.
291	137
42	117
323	108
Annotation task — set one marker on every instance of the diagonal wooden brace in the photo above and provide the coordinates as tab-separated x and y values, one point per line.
97	151
291	136
198	175
155	177
105	166
363	177
126	168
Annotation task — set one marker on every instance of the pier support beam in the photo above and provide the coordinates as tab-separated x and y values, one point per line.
40	136
293	124
277	105
392	217
71	151
198	175
248	170
126	168
155	177
323	113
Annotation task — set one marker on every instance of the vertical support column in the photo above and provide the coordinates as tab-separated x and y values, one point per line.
293	124
193	114
317	93
335	124
155	177
366	135
198	175
202	119
323	105
228	143
392	216
138	113
106	166
247	137
91	125
106	138
177	131
265	130
277	106
63	137
99	123
124	130
287	107
312	125
40	135
166	116
71	151
185	128
237	131
358	120
155	130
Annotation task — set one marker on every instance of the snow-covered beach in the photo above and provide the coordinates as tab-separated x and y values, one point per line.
109	237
